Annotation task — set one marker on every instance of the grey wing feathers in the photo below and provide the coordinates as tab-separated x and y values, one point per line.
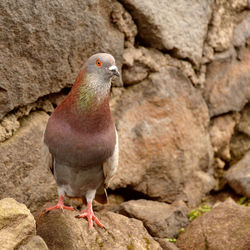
110	166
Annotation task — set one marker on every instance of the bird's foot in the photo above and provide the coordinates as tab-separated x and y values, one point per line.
90	216
59	205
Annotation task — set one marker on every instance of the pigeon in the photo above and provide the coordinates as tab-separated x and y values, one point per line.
82	138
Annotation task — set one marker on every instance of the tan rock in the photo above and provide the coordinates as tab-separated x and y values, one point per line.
238	176
23	175
64	231
35	243
164	143
225	227
221	131
43	45
227	86
161	220
17	224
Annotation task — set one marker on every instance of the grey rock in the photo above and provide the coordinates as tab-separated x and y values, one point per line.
161	220
23	175
238	176
43	45
35	243
172	25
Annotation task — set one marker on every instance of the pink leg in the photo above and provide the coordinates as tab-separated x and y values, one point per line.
90	215
59	205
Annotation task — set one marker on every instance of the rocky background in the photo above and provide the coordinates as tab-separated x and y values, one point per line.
182	112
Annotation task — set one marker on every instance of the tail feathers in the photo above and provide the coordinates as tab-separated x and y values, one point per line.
101	195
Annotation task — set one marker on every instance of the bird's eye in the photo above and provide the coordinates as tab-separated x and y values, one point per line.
98	63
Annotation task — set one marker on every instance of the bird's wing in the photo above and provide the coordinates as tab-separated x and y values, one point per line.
110	166
47	158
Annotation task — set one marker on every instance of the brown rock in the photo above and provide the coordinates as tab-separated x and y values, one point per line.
238	176
63	231
225	227
161	220
44	44
162	24
23	174
17	224
35	243
164	144
221	131
166	245
227	86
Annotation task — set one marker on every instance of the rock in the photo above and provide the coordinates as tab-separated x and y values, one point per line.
242	32
221	131
240	142
166	245
225	227
17	224
43	45
238	176
23	174
36	243
227	86
221	26
64	231
165	148
172	25
161	220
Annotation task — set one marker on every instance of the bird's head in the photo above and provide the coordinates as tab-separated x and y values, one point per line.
101	67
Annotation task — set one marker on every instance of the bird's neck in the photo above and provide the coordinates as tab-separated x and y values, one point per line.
89	92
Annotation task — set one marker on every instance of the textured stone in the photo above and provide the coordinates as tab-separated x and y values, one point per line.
17	224
36	243
227	86
64	231
221	131
161	220
242	32
23	174
166	245
225	227
172	25
44	44
165	148
238	176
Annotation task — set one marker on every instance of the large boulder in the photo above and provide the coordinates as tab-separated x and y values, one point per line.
225	227
64	231
172	25
161	220
17	225
44	44
23	174
165	150
238	176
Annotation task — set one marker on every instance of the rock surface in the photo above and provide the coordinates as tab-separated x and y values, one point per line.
161	220
164	143
238	176
172	25
227	85
43	45
64	231
17	224
23	174
35	243
225	227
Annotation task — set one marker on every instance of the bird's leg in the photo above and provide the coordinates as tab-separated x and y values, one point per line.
90	195
59	205
90	216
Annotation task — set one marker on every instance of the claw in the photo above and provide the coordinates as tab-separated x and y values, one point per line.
90	216
59	205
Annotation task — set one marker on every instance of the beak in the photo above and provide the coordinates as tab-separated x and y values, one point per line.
114	70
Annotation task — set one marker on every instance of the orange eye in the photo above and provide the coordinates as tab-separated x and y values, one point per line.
98	63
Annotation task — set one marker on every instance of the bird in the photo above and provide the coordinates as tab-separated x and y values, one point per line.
82	138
